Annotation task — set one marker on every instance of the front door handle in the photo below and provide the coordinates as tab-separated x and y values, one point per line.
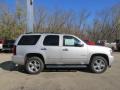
65	49
43	49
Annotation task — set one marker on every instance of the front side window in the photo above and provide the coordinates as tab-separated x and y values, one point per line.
70	41
51	40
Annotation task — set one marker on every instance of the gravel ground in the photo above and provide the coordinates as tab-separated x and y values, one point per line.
17	79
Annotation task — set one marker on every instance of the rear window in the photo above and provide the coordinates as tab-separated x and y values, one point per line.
29	40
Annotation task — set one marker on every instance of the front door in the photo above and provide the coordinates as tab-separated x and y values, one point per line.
73	52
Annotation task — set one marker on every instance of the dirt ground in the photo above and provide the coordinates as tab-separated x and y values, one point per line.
16	79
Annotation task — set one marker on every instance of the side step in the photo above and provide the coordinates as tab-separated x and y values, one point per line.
65	66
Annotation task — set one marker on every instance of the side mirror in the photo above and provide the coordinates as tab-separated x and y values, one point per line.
81	45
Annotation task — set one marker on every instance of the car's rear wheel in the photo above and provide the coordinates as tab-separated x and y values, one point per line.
98	64
34	65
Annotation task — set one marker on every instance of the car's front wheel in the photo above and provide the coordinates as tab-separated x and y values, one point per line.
34	65
98	64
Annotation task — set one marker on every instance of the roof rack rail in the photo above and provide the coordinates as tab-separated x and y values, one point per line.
43	33
50	33
29	33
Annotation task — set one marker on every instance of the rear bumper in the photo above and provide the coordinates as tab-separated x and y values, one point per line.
111	59
18	60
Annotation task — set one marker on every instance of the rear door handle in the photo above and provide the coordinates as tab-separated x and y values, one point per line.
43	49
65	49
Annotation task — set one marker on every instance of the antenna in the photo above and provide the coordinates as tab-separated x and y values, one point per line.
30	16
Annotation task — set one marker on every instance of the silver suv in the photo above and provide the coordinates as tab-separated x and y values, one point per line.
39	51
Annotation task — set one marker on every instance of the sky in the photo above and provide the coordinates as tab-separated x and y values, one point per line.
76	5
92	6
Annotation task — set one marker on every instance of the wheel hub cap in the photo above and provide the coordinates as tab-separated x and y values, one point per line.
99	65
34	66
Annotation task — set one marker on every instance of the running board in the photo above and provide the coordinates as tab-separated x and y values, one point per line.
65	66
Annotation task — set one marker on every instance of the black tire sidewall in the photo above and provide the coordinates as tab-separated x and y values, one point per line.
94	59
32	59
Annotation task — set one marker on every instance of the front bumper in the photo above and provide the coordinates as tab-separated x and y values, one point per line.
111	59
18	60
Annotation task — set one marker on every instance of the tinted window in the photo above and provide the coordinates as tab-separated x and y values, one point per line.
70	41
29	40
51	40
9	41
117	41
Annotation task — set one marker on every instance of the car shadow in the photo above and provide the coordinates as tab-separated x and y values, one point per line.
10	66
86	70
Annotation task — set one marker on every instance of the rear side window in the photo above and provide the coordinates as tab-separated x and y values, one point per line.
51	40
29	40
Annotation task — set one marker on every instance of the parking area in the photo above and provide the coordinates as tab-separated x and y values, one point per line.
16	79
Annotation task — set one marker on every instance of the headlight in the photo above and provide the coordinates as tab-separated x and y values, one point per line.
111	51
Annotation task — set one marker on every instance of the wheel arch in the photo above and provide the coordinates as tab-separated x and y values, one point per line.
100	54
35	54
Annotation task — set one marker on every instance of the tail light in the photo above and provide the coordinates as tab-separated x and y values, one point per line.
14	50
3	41
0	41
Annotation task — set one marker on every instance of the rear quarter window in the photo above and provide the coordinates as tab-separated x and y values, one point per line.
29	40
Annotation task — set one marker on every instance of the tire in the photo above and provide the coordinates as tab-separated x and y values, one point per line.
34	65
98	64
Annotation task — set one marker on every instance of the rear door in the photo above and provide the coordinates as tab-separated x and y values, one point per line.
51	46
